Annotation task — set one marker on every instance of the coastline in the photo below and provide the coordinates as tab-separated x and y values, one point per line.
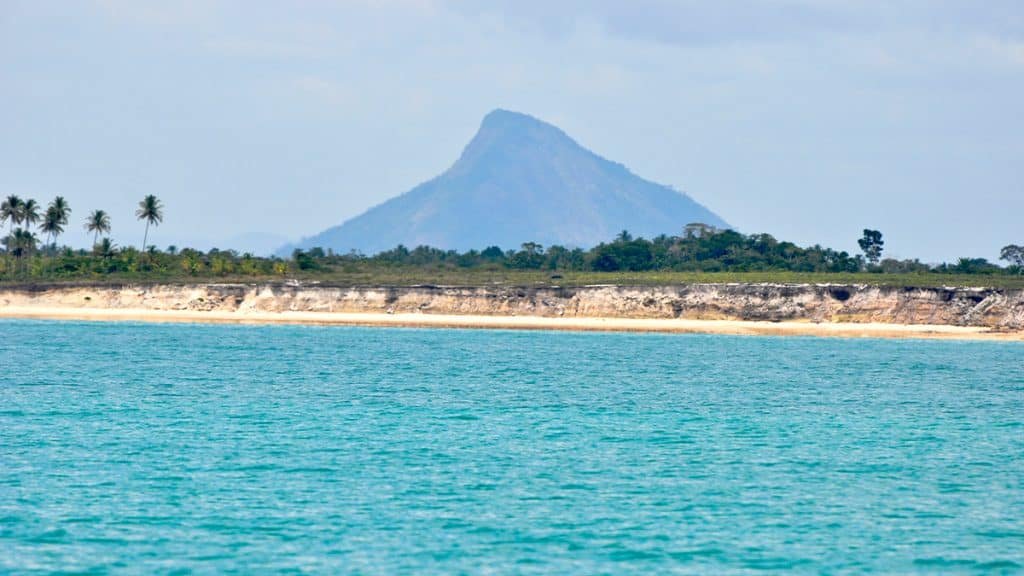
518	322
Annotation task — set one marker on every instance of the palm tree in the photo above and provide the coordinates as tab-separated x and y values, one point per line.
29	212
10	209
152	212
105	249
52	224
62	207
21	244
61	210
97	222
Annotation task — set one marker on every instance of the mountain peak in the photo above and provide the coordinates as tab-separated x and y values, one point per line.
507	123
519	180
501	118
499	114
507	133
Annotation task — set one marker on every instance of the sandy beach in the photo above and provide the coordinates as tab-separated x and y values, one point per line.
737	327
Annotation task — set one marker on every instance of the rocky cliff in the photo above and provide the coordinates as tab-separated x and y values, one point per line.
987	307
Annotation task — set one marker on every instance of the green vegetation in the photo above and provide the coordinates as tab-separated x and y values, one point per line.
152	211
1014	255
701	254
871	244
97	223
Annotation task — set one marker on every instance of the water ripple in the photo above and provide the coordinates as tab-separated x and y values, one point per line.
135	448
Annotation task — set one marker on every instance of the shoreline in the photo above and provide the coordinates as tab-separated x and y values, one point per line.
519	322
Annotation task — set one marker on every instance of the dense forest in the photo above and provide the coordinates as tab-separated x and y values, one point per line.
698	249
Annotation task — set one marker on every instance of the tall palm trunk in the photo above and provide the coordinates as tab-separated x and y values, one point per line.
145	235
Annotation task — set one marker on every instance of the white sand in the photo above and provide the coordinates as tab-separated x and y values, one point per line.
846	330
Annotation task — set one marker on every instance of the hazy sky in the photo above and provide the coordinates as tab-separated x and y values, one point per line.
807	119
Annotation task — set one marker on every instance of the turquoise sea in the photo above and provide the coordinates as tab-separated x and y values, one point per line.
150	449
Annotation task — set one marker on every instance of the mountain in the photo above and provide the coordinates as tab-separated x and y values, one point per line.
519	180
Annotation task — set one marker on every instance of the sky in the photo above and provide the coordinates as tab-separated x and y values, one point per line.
261	122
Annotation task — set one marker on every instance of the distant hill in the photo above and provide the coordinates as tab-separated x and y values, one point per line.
518	180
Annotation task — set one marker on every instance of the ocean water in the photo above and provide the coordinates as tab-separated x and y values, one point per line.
132	448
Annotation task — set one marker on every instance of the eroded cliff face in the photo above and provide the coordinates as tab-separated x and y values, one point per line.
993	308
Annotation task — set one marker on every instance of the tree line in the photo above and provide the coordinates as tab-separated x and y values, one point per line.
699	248
21	243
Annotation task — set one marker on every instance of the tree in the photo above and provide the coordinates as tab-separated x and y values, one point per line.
304	260
62	210
532	248
150	210
10	211
105	249
52	224
98	222
62	206
624	236
29	212
973	266
557	257
21	243
492	253
530	257
871	244
633	255
1013	254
